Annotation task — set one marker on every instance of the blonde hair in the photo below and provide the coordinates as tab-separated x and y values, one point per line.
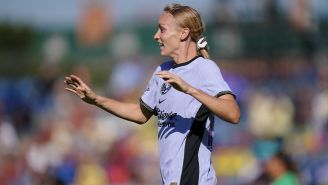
188	17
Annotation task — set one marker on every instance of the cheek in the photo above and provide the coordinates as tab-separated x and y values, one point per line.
164	37
172	41
170	37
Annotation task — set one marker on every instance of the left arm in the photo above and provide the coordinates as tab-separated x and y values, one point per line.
225	106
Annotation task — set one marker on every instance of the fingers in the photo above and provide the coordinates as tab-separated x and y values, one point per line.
73	83
72	86
170	81
76	92
176	81
70	82
72	79
76	79
165	75
71	90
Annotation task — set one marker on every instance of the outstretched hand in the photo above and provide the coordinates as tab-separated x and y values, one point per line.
176	81
78	87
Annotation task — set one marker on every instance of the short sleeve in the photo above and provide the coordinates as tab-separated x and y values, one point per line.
214	83
148	98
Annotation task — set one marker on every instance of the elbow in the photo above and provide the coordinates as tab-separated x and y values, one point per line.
235	120
235	117
141	122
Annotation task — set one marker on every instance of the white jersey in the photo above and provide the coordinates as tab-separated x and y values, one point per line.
185	126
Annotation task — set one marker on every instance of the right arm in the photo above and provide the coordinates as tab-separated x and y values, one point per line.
134	112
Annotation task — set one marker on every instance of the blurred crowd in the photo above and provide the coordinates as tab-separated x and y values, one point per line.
48	136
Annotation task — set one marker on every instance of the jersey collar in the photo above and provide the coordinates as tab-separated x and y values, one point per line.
185	63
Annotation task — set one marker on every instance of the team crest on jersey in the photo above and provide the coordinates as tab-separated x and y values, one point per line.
165	88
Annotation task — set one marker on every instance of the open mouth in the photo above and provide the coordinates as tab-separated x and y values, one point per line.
160	44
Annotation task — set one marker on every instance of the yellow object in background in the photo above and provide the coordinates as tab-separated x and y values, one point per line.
230	161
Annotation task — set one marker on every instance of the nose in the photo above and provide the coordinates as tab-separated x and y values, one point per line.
156	36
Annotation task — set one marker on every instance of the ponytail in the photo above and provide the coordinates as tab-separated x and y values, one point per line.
202	47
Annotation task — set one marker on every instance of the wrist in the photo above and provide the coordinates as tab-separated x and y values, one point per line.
96	99
191	91
92	98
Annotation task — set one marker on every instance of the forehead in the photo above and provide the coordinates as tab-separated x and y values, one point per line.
167	19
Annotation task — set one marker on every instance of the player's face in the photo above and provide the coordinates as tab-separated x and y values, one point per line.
168	35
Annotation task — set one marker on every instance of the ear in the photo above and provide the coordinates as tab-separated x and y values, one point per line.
184	34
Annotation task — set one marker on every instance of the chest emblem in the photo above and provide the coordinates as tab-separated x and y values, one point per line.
165	88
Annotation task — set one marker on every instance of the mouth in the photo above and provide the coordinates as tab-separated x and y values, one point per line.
161	45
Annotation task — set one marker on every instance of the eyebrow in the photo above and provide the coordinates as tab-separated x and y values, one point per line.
161	26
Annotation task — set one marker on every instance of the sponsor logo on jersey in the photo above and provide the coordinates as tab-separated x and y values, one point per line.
161	101
165	119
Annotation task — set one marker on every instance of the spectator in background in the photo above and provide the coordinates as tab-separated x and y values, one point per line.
282	170
186	111
302	21
319	104
278	169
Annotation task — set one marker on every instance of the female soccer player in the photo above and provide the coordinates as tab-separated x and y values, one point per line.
185	93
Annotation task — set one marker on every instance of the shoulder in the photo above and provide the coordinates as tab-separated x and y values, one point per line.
207	65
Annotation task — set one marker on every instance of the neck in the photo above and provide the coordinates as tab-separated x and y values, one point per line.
187	51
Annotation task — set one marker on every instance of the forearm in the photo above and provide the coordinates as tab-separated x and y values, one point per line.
224	107
128	111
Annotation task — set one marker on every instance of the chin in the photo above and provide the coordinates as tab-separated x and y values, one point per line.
163	53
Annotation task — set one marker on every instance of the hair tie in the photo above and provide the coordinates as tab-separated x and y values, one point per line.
201	43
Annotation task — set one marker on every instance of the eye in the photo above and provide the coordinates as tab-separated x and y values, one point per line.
161	29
